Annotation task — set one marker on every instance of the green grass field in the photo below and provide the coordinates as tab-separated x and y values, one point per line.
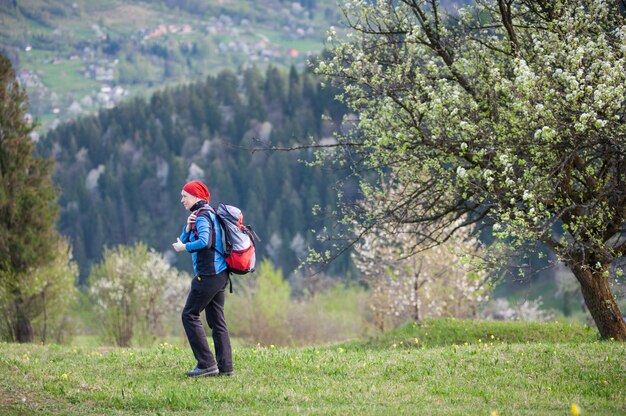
67	77
512	369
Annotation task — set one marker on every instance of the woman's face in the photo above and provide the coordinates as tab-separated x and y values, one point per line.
187	199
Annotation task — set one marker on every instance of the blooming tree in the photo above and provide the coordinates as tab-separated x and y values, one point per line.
441	281
509	113
133	289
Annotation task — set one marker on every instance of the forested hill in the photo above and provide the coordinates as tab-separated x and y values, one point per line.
120	173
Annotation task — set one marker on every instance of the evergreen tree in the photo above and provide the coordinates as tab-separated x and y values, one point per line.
294	97
274	87
28	207
226	85
256	108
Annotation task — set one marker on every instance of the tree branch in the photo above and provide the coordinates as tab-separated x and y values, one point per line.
268	148
507	20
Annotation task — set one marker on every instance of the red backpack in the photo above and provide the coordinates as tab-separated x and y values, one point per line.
239	248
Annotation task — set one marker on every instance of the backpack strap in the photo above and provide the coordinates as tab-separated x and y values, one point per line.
225	237
197	213
195	231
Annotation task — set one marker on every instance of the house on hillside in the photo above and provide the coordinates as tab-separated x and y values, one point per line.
104	74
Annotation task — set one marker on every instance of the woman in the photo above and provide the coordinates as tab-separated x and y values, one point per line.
202	237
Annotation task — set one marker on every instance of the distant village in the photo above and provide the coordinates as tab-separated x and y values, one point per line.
105	71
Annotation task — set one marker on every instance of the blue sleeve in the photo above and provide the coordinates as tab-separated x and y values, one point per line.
184	236
203	227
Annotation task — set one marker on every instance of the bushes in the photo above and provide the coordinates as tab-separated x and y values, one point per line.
258	312
337	314
133	289
262	311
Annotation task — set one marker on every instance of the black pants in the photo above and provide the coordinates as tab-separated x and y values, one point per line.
207	294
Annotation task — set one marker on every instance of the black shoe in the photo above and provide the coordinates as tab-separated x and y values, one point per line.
203	372
227	373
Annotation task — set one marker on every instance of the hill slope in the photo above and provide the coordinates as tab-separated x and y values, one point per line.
76	56
537	378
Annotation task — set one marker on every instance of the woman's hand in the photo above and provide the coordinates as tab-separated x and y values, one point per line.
191	220
178	245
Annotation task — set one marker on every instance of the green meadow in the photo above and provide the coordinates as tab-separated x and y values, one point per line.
439	367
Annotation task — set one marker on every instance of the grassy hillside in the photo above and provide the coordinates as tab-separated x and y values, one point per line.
561	367
76	56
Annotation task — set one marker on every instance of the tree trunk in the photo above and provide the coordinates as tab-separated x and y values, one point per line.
417	270
44	331
600	302
416	312
23	327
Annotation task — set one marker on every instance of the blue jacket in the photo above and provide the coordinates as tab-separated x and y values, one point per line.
205	248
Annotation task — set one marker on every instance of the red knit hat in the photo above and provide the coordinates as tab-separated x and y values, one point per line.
197	189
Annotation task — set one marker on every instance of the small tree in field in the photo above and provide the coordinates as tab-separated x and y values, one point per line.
510	114
28	210
48	294
259	313
58	294
408	285
132	289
